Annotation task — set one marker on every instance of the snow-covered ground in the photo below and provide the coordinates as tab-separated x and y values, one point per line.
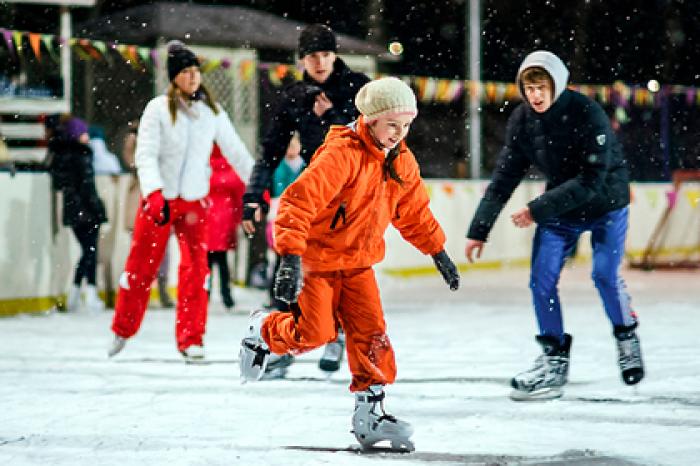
62	402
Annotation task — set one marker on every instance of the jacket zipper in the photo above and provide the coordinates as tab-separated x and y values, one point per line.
340	213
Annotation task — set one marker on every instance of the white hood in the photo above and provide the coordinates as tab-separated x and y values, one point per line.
551	64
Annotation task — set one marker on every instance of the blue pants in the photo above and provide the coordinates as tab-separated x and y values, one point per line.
554	240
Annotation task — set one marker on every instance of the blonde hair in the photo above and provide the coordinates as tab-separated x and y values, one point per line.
174	93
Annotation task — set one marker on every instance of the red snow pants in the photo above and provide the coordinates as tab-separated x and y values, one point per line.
188	218
348	297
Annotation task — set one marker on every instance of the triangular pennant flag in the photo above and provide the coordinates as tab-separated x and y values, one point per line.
35	43
47	39
693	196
100	46
144	54
210	65
247	68
17	36
86	45
78	49
7	35
133	56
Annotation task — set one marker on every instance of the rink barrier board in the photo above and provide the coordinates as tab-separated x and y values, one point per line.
37	253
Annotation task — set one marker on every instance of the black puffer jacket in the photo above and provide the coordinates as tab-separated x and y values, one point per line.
294	112
72	172
574	146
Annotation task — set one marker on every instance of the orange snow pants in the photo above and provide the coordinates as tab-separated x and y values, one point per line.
148	243
347	297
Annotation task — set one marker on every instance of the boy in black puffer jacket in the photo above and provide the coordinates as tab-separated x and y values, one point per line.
568	137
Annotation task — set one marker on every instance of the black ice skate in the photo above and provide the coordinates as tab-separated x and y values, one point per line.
548	374
333	354
629	354
373	427
254	354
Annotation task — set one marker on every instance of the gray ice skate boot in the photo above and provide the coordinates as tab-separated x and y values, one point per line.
255	353
277	366
548	374
333	354
372	425
629	354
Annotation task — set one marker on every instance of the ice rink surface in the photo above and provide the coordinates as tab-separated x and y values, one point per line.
64	403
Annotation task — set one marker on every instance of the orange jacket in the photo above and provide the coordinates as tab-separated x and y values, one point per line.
335	214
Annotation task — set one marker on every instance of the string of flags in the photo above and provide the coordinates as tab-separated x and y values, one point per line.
428	90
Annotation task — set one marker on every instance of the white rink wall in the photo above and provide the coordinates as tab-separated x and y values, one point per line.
37	253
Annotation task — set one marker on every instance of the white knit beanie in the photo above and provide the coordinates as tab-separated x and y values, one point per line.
386	96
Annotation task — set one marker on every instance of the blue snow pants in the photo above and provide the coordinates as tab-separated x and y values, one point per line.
554	240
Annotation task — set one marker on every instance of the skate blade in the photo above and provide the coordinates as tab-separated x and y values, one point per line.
389	446
543	394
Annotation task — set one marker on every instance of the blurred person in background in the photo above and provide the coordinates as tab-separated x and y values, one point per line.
324	97
174	143
69	161
224	217
104	162
568	137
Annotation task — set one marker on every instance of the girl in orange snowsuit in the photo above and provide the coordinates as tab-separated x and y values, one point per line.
334	216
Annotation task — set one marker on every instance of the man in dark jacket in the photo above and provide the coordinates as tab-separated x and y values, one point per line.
568	137
324	97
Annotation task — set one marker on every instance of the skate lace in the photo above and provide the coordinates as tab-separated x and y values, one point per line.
630	356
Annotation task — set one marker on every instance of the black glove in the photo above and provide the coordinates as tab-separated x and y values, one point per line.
288	280
447	268
249	200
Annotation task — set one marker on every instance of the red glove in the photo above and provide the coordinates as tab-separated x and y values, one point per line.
156	207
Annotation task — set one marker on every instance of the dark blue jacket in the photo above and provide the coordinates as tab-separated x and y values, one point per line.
574	147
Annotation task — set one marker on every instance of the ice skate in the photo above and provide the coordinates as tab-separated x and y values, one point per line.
255	354
629	354
227	298
193	353
93	303
117	345
277	366
333	354
372	426
548	374
73	301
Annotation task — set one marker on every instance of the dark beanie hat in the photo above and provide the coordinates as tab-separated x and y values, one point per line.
316	38
179	58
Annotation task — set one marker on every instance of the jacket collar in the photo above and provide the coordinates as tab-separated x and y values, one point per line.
557	109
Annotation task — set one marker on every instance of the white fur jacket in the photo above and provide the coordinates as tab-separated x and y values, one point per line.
175	157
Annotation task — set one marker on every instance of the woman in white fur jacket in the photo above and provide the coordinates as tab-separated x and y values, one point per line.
175	139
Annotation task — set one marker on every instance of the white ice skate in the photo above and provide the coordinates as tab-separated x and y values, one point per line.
543	381
73	301
93	303
255	354
193	353
333	355
373	427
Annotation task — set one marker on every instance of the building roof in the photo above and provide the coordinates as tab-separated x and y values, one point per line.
232	26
